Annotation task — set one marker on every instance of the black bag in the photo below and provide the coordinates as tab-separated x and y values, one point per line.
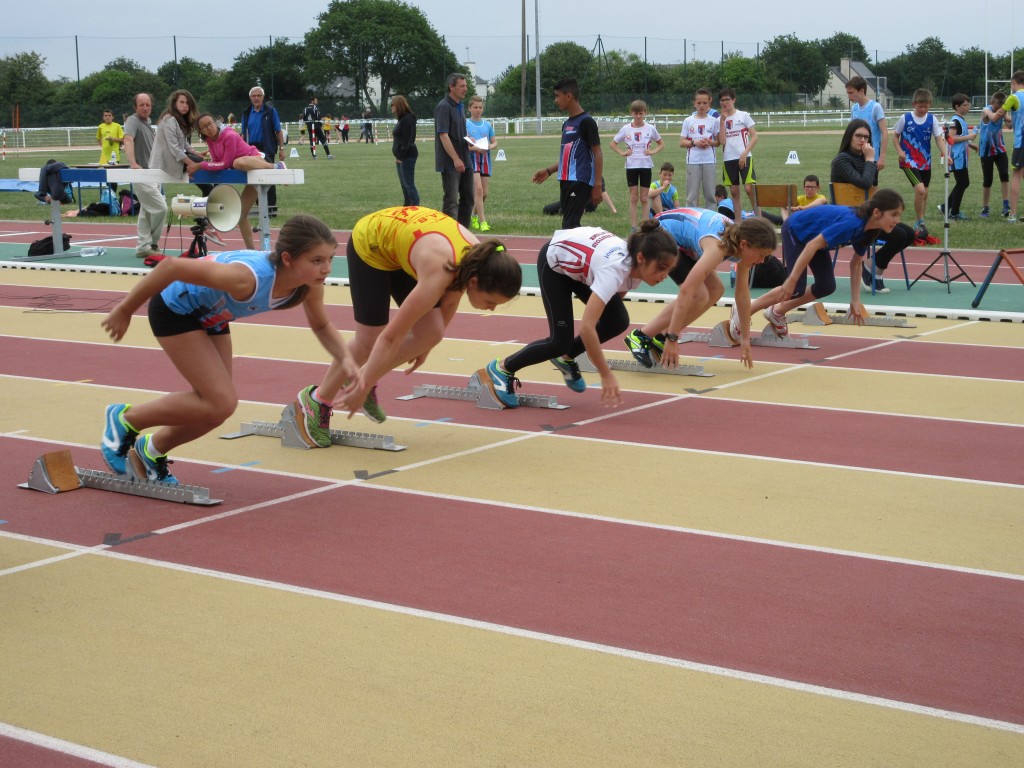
44	246
770	274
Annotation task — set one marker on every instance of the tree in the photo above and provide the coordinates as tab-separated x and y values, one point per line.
194	76
922	66
278	68
384	39
557	61
743	74
843	45
798	64
23	83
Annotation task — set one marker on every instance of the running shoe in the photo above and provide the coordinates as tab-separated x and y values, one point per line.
779	322
118	437
639	345
315	423
503	384
474	222
485	227
984	212
571	372
1006	210
865	278
280	166
372	408
145	464
1011	219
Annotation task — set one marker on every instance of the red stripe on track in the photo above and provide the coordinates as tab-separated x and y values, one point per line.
936	638
19	753
974	451
87	516
940	358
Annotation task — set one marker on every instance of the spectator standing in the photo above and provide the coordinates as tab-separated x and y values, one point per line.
638	136
315	128
912	136
479	130
993	154
871	112
580	166
138	144
699	138
261	127
451	152
738	136
403	147
960	137
110	136
1014	107
366	130
344	129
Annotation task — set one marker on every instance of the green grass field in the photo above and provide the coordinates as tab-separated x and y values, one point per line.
362	178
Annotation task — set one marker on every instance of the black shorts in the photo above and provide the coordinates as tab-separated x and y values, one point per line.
166	322
734	177
682	268
639	177
372	289
915	176
1017	161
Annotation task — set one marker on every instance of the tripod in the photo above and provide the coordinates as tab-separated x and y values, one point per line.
945	254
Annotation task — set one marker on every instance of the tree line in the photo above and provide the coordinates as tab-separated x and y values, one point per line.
361	52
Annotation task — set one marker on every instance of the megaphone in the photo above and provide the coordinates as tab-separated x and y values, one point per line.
223	208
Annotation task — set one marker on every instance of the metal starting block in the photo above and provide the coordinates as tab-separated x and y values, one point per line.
56	473
585	364
291	435
480	394
816	314
719	337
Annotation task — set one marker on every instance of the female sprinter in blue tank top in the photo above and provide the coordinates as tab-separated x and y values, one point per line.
705	239
191	302
808	236
598	268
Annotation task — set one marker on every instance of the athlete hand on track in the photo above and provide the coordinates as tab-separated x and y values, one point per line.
745	358
858	313
352	396
610	395
116	323
416	362
670	355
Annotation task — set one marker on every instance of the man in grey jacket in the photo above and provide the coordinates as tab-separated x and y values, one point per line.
138	144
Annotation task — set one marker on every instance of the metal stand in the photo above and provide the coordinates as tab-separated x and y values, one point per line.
719	337
56	473
292	437
482	395
945	255
586	364
816	314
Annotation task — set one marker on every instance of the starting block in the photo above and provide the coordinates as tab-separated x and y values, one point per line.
719	337
816	314
480	394
633	366
291	436
56	473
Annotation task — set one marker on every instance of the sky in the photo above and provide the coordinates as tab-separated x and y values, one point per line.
488	33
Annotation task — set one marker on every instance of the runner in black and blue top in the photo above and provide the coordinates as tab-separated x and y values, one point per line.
580	161
705	239
191	303
807	238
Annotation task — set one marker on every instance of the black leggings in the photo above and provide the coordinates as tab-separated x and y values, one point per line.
820	266
902	236
963	181
557	291
1000	163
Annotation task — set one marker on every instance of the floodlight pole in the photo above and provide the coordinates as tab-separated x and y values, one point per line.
536	35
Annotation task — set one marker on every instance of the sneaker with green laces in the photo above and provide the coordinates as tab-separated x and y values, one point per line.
485	227
315	421
372	408
144	463
474	222
571	372
639	345
118	437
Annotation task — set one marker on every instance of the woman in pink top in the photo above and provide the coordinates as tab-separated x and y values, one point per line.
228	150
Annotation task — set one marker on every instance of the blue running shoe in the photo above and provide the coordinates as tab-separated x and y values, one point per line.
118	437
571	371
146	465
503	384
639	345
